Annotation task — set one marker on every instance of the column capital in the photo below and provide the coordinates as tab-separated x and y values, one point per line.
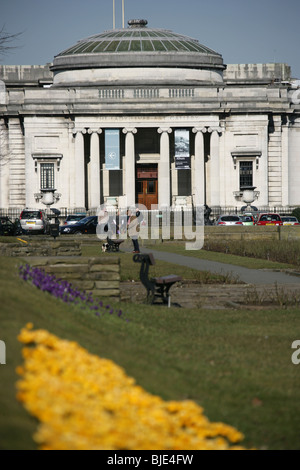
126	130
199	129
160	130
77	130
94	130
215	129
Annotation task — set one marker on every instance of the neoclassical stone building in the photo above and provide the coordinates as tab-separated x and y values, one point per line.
151	116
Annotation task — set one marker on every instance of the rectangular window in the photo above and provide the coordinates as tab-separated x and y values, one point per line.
140	187
246	174
47	176
151	187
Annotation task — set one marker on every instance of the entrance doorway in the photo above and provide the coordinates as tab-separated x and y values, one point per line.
146	182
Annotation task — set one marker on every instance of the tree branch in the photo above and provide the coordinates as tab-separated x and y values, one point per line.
6	39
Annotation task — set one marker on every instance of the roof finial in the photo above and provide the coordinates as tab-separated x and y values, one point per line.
137	23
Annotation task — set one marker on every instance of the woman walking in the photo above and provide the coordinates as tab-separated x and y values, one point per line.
133	225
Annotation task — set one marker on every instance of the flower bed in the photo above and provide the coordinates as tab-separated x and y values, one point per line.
84	402
64	290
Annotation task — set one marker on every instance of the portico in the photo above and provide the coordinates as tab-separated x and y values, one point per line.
95	184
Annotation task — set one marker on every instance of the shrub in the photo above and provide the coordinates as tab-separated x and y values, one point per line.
296	213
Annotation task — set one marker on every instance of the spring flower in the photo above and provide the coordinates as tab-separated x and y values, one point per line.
84	402
62	289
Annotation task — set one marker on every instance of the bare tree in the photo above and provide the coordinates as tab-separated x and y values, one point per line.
7	40
6	45
4	147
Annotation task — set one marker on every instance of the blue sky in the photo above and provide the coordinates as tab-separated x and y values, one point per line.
254	31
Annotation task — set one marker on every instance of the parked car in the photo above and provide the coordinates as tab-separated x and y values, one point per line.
86	225
247	219
289	220
269	219
72	219
227	219
8	227
34	221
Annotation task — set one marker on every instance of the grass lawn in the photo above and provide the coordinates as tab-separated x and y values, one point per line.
178	247
235	364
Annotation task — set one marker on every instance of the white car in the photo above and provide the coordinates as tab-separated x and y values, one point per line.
34	221
289	220
228	219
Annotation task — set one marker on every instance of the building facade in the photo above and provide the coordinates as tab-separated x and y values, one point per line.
144	115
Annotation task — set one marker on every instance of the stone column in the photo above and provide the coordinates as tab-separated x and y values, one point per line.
164	168
95	181
214	166
130	165
285	164
18	167
198	179
79	170
4	165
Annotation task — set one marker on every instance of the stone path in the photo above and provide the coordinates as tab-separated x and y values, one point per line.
256	277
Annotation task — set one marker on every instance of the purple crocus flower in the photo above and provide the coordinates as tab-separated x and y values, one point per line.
63	290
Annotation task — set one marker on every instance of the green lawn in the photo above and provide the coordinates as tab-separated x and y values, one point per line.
236	364
178	247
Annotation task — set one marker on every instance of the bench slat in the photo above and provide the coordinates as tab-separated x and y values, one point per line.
167	279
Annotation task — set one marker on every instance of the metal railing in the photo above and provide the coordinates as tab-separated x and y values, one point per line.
156	218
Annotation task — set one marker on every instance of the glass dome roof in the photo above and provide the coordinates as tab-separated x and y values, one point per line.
135	54
137	38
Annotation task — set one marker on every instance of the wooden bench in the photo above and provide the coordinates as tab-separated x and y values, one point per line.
113	245
155	286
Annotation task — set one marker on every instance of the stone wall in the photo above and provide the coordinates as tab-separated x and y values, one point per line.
97	275
40	247
29	75
257	72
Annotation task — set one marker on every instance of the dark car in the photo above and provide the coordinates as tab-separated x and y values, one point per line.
86	225
73	219
7	227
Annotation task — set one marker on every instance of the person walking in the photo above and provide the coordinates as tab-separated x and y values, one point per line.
133	225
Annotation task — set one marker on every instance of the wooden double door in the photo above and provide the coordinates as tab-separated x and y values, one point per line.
146	185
